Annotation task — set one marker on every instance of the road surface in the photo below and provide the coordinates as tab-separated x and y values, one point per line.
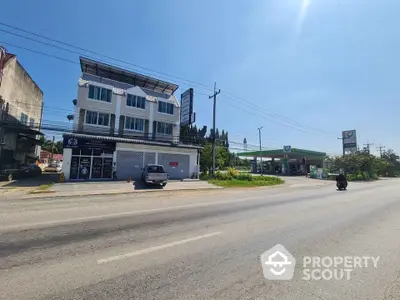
204	245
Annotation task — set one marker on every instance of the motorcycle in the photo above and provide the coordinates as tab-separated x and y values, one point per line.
341	185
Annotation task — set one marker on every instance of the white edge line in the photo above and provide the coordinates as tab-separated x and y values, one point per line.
156	248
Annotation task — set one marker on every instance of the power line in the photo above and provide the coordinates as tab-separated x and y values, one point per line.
229	95
89	51
380	149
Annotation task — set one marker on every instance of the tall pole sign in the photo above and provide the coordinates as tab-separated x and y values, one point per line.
349	139
187	115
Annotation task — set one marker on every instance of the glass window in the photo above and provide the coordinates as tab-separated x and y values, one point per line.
91	117
97	152
24	119
31	122
86	151
76	151
166	108
135	101
134	124
98	93
164	128
95	118
104	119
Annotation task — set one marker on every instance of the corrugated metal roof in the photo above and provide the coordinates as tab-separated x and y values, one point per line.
102	69
130	141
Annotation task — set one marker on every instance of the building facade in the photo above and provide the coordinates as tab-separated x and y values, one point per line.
122	121
21	107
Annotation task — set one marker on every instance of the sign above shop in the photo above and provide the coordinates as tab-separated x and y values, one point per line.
73	142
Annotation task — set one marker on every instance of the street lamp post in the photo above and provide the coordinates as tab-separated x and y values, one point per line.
259	136
342	145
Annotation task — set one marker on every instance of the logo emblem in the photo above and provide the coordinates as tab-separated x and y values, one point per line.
349	134
287	148
72	142
278	263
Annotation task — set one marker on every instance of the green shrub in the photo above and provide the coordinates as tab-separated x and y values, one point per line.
244	176
232	172
222	176
204	176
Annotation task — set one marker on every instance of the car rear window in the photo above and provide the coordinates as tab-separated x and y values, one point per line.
155	169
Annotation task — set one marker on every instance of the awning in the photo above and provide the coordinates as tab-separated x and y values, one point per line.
279	153
30	139
19	128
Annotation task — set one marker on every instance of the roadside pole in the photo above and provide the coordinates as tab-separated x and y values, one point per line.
52	149
259	136
213	137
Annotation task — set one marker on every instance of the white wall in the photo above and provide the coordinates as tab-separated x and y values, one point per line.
193	167
66	166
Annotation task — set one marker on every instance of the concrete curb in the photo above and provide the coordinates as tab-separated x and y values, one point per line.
54	194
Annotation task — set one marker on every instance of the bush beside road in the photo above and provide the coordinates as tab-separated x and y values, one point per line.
233	178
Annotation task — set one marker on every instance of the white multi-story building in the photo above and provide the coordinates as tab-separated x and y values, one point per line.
122	121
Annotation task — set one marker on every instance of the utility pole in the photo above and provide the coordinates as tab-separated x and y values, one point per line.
380	149
340	138
52	149
214	112
259	136
367	145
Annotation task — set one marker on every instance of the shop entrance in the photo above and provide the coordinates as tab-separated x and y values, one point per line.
91	160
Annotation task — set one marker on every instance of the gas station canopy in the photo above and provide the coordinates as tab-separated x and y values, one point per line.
281	153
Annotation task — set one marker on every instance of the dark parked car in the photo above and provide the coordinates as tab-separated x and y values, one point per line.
11	172
28	170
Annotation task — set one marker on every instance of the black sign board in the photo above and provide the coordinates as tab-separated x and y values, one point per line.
97	166
107	167
84	168
73	142
74	167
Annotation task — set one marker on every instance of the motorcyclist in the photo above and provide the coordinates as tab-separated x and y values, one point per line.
341	179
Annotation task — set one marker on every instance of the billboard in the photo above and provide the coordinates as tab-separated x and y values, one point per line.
349	138
187	114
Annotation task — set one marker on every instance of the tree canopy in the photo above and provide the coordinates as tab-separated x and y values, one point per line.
366	165
223	157
48	145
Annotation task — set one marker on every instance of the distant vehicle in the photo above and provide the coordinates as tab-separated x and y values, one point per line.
28	170
154	175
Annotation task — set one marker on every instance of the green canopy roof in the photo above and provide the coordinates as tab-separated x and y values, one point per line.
278	153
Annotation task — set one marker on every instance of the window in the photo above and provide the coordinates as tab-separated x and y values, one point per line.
24	119
164	128
98	93
166	108
31	122
135	101
134	124
155	169
95	118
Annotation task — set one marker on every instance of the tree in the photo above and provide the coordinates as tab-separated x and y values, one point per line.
365	165
48	145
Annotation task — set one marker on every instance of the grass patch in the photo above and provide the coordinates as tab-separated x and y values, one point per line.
245	183
236	179
44	187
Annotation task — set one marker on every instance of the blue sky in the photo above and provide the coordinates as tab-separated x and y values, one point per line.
287	65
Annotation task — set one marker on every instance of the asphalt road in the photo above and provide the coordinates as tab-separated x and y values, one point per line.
204	245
